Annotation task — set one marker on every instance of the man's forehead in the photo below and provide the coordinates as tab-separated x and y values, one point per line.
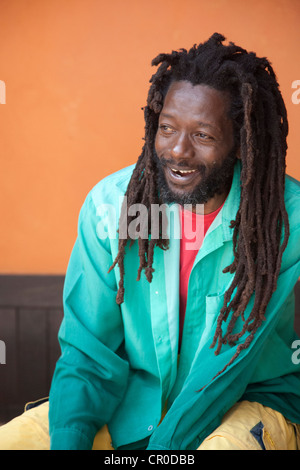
191	93
202	103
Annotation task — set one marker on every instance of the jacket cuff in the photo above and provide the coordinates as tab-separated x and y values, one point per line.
69	439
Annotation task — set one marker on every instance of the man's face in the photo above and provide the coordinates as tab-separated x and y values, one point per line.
194	146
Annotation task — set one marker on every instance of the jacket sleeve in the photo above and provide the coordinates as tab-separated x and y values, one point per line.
195	414
91	376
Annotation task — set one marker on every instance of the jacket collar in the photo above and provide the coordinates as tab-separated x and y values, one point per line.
231	206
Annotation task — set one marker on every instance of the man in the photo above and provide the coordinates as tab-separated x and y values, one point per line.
196	353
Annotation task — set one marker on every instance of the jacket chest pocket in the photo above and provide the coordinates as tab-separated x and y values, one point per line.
213	305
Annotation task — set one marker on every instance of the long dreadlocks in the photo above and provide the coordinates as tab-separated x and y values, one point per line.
261	227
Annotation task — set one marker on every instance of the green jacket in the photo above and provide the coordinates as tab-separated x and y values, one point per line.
119	364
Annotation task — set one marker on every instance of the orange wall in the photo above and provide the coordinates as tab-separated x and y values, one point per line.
76	75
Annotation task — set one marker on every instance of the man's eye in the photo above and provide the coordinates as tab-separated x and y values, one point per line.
165	128
204	136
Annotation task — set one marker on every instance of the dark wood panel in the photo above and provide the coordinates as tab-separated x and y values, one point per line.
54	319
32	341
30	315
32	349
9	370
31	291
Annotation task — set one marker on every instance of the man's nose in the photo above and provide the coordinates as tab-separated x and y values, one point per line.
182	147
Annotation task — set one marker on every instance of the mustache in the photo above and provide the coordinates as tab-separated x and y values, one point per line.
163	162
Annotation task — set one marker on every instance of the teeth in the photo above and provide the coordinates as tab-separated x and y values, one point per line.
183	171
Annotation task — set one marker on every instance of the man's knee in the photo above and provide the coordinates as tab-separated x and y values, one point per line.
251	426
29	431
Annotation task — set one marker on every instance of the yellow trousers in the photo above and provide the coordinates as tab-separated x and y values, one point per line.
247	426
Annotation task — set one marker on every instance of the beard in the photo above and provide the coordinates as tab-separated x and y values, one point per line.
216	179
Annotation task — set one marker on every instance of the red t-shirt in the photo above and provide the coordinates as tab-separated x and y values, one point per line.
193	230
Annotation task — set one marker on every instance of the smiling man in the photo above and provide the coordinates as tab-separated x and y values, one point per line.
196	353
